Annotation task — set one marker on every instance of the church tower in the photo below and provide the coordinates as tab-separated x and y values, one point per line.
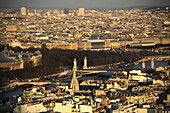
74	83
85	63
75	65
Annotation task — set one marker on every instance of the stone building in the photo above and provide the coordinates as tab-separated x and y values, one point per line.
10	64
74	83
12	61
11	28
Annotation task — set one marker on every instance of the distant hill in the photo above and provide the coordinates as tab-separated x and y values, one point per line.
155	7
123	8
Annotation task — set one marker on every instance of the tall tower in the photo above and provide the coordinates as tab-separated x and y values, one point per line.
81	11
143	64
152	64
75	65
85	63
74	83
23	11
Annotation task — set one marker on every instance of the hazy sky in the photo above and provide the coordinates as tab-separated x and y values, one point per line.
81	3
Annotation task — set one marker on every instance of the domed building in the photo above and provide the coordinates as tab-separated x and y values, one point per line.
10	64
28	59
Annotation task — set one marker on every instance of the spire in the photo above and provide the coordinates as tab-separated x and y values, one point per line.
74	83
74	74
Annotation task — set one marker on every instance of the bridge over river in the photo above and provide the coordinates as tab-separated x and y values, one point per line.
25	83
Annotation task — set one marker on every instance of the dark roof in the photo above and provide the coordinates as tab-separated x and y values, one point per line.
1	35
4	58
85	87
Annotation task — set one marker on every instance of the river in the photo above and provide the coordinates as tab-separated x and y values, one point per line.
148	65
19	91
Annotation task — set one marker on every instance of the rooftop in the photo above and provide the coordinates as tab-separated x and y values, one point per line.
4	58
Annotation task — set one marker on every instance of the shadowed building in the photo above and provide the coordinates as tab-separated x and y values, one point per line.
10	64
28	59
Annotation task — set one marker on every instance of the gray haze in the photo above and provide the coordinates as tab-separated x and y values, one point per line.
81	3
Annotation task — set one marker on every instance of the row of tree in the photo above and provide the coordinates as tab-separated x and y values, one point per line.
56	60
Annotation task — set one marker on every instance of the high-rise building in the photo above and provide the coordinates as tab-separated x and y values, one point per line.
81	11
23	11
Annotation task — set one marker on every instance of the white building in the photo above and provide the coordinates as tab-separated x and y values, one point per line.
145	110
138	75
30	108
139	72
59	107
141	78
85	108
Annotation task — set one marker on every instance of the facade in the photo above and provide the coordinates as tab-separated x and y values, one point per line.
133	83
11	28
97	44
12	61
101	44
143	44
10	64
140	78
60	107
31	108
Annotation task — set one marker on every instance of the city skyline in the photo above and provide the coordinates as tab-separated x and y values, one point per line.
74	4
